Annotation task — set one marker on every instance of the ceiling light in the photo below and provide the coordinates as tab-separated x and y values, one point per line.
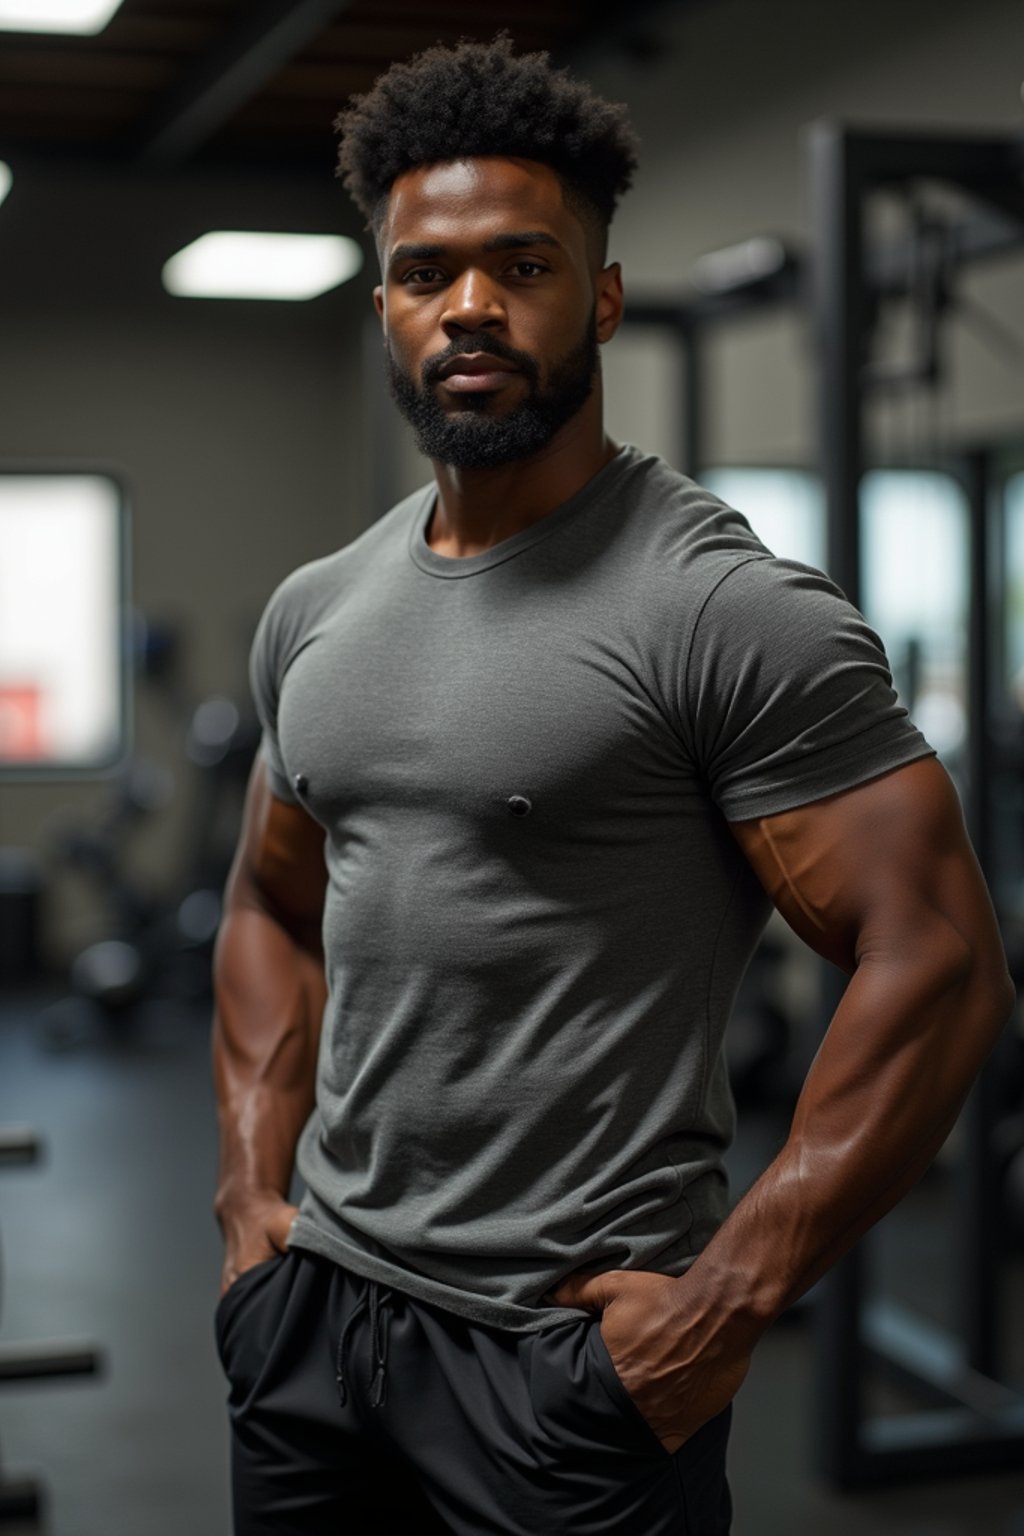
5	179
81	16
236	264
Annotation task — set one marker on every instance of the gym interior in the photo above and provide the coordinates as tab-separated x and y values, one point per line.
823	255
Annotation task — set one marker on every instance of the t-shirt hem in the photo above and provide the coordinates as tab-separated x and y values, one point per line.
745	804
277	781
508	1316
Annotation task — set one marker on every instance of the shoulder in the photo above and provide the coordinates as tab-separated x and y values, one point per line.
303	598
781	607
681	516
677	537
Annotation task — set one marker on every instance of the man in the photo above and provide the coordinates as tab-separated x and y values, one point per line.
539	746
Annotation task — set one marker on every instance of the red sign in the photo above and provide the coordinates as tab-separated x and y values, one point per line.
21	735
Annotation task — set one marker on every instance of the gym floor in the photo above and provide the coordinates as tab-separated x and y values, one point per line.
109	1237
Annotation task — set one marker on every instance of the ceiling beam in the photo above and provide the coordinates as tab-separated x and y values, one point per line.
220	81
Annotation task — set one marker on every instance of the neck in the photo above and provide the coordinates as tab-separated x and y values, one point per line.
478	508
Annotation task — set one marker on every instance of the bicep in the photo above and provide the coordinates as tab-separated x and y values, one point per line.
882	871
279	862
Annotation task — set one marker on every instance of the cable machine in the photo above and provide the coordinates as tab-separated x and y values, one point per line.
972	1419
975	1421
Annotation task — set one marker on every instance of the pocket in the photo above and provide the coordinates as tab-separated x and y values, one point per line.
236	1293
615	1390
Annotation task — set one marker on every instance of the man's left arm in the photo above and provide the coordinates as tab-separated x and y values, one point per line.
881	880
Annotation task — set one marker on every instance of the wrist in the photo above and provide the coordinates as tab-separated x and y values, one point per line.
236	1198
734	1290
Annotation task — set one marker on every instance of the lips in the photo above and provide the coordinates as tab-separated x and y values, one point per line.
476	372
475	363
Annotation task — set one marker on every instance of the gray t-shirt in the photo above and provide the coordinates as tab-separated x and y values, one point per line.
536	917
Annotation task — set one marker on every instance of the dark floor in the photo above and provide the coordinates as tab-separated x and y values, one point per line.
110	1238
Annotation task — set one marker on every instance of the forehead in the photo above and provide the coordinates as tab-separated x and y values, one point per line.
470	199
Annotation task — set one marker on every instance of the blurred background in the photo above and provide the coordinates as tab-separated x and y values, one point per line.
824	265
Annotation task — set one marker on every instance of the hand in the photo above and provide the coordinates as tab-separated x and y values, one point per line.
657	1346
254	1229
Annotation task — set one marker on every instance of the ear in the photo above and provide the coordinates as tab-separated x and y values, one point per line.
609	301
378	302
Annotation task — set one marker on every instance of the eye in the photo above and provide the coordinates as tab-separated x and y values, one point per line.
528	268
423	277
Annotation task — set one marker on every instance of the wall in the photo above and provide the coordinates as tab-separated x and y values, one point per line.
238	427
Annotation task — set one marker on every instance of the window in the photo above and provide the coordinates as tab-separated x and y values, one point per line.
913	572
63	693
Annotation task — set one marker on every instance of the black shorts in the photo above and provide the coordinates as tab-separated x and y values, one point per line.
356	1409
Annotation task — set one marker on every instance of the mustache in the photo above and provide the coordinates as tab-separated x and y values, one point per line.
492	345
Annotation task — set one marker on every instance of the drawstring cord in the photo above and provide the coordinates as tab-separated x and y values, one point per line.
376	1295
378	1342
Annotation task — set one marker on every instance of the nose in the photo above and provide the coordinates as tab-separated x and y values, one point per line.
475	303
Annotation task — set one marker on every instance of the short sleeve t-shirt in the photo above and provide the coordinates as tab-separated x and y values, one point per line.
525	762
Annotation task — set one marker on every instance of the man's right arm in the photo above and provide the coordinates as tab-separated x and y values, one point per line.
269	996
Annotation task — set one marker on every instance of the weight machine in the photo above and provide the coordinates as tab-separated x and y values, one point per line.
975	1420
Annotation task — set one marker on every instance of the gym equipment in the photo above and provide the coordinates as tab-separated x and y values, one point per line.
976	1421
159	943
21	1498
979	1423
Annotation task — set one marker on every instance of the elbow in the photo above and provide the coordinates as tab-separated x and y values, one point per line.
1003	1001
961	977
986	990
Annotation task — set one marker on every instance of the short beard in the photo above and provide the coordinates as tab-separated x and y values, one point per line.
471	438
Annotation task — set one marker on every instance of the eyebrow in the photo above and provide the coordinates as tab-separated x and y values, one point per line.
515	240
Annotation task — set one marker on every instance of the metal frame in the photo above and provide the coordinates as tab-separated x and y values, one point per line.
981	1423
23	1498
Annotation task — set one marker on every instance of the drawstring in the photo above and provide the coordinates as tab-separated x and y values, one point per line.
377	1296
378	1342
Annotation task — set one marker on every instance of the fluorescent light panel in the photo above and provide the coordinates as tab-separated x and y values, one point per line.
5	179
84	17
241	264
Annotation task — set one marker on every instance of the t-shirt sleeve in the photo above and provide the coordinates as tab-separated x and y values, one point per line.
789	693
266	669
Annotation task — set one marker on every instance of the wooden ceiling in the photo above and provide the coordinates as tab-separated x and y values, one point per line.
170	82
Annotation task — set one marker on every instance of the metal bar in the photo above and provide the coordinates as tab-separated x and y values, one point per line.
987	165
979	1188
30	1361
222	80
19	1144
974	474
925	1357
940	1444
838	1396
838	315
837	319
683	322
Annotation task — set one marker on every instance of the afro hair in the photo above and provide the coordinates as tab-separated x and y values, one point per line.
451	103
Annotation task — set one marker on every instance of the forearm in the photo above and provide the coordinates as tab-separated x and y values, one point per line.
269	995
881	1097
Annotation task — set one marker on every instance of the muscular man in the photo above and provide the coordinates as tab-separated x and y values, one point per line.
540	748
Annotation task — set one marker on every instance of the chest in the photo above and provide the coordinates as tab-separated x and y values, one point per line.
456	702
